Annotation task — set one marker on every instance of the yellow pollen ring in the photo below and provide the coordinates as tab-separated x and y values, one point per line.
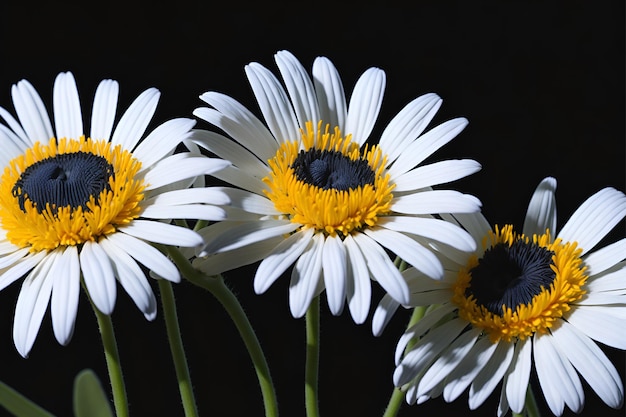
330	211
68	226
544	309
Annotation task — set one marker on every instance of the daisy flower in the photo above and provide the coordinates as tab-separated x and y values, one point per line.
536	299
308	191
76	208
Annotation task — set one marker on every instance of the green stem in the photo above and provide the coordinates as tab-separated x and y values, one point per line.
312	358
397	396
113	363
18	405
216	286
176	347
532	410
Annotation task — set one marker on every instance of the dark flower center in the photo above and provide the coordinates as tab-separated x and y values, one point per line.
510	275
332	170
68	179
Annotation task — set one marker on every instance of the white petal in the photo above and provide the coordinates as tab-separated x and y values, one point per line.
281	258
475	223
365	103
104	108
605	258
305	277
437	201
426	350
612	279
541	213
408	124
273	102
98	276
409	250
179	167
65	292
300	88
32	304
434	174
10	259
185	211
67	114
250	202
231	236
20	268
16	133
135	120
145	254
385	310
557	377
208	195
427	144
227	261
359	286
516	383
240	178
435	229
31	112
465	373
238	122
162	141
230	150
598	325
12	146
334	263
491	375
159	232
591	362
331	96
382	269
132	279
447	361
595	218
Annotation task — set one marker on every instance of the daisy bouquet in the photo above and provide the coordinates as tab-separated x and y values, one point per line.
305	192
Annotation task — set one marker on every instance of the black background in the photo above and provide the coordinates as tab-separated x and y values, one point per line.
542	84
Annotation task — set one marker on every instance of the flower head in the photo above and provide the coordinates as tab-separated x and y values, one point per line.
308	191
539	298
86	207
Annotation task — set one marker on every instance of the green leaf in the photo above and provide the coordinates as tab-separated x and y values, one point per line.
18	405
90	400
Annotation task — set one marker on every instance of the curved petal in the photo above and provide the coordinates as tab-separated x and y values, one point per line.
145	254
31	112
427	144
132	279
273	102
67	114
596	217
162	141
331	96
227	261
238	122
281	258
300	88
409	250
491	375
436	201
358	286
135	120
557	377
305	276
104	109
408	124
181	166
32	304
65	292
516	383
434	174
605	258
382	269
541	213
591	362
385	310
230	236
365	103
334	264
159	232
20	268
596	323
98	276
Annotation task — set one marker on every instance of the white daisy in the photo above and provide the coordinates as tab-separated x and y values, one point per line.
523	301
78	208
309	192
